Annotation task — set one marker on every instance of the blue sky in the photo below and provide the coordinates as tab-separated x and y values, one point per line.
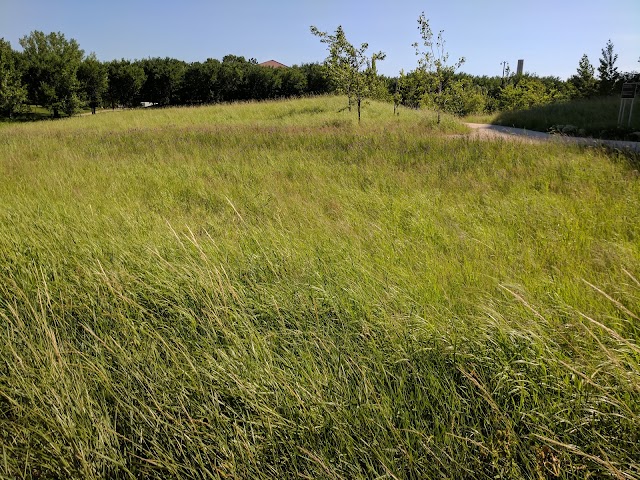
550	36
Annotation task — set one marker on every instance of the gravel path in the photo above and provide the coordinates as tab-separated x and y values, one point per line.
481	130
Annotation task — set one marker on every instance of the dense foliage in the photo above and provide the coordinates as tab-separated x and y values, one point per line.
51	64
12	91
54	73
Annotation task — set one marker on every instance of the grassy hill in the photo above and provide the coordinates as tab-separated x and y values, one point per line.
273	291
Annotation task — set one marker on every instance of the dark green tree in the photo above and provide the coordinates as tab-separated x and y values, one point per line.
232	80
200	79
607	71
293	82
13	92
584	79
94	81
125	81
164	80
261	82
52	64
317	78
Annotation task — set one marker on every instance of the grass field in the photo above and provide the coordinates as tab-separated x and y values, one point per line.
34	113
597	118
273	291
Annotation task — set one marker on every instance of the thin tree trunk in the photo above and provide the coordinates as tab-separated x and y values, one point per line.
359	99
439	100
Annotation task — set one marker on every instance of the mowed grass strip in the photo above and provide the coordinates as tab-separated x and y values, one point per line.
274	291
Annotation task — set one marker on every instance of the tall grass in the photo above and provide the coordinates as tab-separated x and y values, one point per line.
272	291
597	117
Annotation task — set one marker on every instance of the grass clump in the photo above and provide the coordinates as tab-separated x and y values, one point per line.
272	291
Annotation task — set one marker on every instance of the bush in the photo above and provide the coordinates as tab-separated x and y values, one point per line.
459	97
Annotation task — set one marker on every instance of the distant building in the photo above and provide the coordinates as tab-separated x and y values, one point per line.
272	64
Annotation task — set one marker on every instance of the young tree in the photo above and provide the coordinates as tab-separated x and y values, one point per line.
352	72
607	71
52	64
337	62
93	78
397	94
584	80
432	62
12	92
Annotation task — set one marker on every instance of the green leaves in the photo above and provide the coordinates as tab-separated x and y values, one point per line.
12	92
433	60
607	71
52	64
584	80
353	73
92	75
125	81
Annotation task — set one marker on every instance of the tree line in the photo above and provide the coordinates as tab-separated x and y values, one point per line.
436	83
54	72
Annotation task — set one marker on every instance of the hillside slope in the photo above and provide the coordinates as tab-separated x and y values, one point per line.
273	291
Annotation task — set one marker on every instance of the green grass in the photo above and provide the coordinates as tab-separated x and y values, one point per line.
270	290
34	113
596	118
488	118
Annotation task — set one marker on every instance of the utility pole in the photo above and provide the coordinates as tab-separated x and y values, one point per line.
505	65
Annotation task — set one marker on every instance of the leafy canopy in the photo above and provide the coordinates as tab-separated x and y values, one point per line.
12	92
52	64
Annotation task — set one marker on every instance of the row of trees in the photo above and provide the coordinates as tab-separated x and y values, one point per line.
436	84
53	72
609	80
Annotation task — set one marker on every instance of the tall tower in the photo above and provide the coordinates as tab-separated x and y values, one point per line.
520	67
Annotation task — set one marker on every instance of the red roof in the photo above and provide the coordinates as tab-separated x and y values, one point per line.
273	64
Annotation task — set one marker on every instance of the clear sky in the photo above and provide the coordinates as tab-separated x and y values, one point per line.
550	35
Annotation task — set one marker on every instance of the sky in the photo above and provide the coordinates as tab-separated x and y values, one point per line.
550	36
